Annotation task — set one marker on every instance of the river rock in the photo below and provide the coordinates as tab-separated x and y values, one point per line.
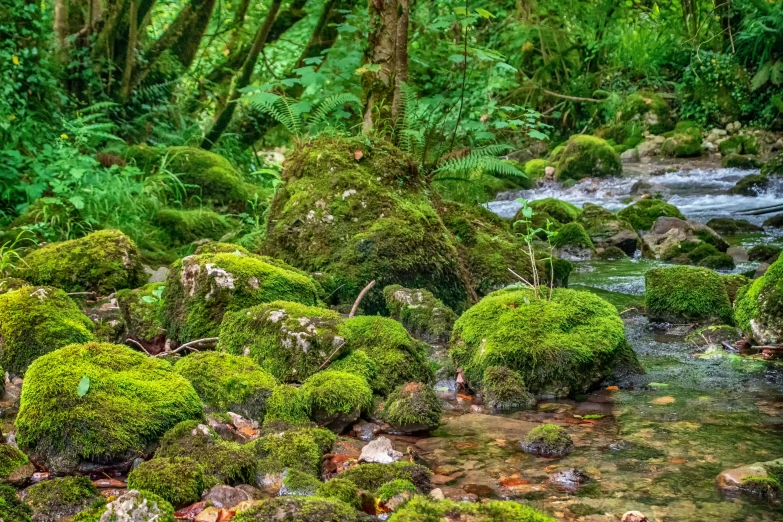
548	440
668	233
645	187
732	481
222	496
634	516
380	451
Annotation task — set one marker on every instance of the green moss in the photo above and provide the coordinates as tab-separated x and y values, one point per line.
774	221
505	389
359	221
587	156
554	155
11	459
11	508
719	261
739	144
562	211
423	509
411	407
132	400
733	284
145	507
759	306
764	253
179	481
740	161
337	395
730	227
287	403
216	247
342	490
299	483
301	509
648	108
101	262
548	440
186	226
572	235
141	311
222	461
35	321
774	166
535	169
200	289
686	294
358	363
684	141
607	230
642	214
370	477
56	499
420	312
751	185
763	487
9	284
290	340
691	252
563	345
298	448
398	357
611	253
228	382
393	488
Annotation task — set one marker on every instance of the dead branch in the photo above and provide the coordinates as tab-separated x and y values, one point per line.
208	342
137	343
360	297
330	356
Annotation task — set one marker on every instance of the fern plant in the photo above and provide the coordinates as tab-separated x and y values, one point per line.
91	127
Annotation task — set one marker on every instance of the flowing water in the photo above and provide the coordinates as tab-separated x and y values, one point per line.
657	444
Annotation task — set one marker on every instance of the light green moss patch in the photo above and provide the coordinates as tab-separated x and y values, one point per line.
587	156
288	403
424	509
186	226
370	477
177	480
642	214
759	306
53	500
411	408
683	294
420	312
342	490
302	509
337	398
562	211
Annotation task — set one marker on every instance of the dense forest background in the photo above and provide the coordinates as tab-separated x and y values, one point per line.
459	86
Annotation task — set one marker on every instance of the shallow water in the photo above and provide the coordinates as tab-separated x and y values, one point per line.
657	444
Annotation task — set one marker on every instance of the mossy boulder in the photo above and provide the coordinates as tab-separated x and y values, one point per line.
201	288
289	340
775	221
587	156
751	185
288	403
342	490
371	477
764	253
611	253
561	345
133	506
424	509
606	230
227	382
411	408
548	440
177	480
423	315
759	307
739	144
35	321
649	109
101	262
398	357
740	161
358	363
298	484
773	167
561	211
718	261
362	220
572	240
221	461
9	284
731	227
505	389
12	509
684	294
15	467
295	447
684	141
535	170
337	399
733	284
643	214
187	226
142	315
97	403
302	509
61	498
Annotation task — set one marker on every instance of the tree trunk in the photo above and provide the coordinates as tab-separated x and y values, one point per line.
130	58
224	118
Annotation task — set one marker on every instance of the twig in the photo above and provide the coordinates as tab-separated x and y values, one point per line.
137	343
210	342
330	356
82	293
521	278
573	98
359	299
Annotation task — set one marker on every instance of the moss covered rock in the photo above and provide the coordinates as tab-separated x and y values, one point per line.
739	144
288	403
142	315
424	509
411	408
177	480
9	284
101	262
562	211
563	345
422	314
218	247
548	440
35	321
649	109
730	227
12	509
54	500
371	477
362	220
342	490
505	389
764	253
606	230
740	161
15	467
586	157
759	307
290	340
682	294
294	447
201	288
302	509
643	214
398	357
773	167
133	506
751	185
571	240
535	170
718	261
128	401
337	399
187	226
228	382
684	141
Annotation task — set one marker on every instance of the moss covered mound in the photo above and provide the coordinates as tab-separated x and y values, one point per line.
337	398
751	185
201	288
734	282
128	401
217	247
15	467
288	403
302	509
740	161
298	448
422	314
587	157
54	500
719	261
773	167
548	440
290	340
561	211
134	505
141	310
684	141
398	357
35	321
12	509
764	253
362	220
228	382
342	490
186	226
101	262
642	214
505	389
177	480
739	144
371	477
730	227
535	170
682	294
759	306
648	108
572	236
424	509
606	230
563	345
411	408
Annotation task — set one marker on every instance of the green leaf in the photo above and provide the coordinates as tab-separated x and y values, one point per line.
484	13
776	73
84	386
761	77
527	212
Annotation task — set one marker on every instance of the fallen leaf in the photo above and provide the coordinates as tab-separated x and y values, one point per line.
465	397
109	483
358	154
510	482
612	388
666	399
678	461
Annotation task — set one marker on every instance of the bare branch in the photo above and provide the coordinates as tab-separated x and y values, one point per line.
359	299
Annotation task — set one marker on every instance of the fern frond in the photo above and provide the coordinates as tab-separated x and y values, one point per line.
475	162
330	104
275	106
